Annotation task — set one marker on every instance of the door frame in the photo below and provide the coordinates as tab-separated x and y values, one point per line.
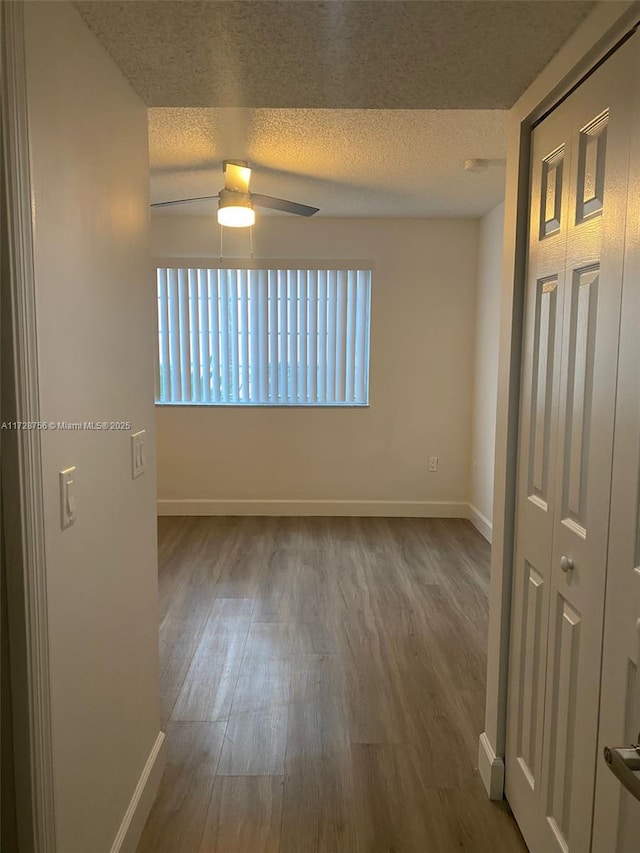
590	43
22	509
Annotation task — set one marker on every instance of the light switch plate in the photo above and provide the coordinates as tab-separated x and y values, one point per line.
67	498
138	453
433	464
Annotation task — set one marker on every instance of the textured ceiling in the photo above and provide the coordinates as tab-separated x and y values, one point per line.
362	108
346	162
370	54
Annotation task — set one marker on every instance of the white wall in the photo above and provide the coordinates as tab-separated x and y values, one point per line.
89	160
485	386
420	391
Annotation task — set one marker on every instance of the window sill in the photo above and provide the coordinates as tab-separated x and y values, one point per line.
264	405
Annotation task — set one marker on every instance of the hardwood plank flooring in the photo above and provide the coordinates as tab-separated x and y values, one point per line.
177	817
322	681
255	743
244	814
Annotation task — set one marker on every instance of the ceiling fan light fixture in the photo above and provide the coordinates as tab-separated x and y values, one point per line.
236	212
236	203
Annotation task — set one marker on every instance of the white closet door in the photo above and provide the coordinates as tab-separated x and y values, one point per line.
617	814
563	502
536	466
600	139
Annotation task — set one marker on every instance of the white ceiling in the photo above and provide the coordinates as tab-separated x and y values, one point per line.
346	162
373	54
359	107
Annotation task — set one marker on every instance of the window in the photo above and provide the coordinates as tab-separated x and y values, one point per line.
274	337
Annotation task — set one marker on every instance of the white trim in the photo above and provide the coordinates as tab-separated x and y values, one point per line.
329	508
480	522
376	509
215	262
27	581
597	34
491	769
143	798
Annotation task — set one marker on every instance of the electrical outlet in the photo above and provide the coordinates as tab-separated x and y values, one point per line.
433	464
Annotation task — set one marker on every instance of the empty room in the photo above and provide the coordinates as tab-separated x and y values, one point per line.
320	426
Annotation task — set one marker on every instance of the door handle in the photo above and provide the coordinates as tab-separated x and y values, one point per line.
566	564
624	763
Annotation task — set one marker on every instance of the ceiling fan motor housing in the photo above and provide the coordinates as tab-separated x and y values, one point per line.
234	197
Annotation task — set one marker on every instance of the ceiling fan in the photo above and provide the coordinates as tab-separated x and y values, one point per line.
235	201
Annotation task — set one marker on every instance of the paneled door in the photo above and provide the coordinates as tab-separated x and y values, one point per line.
617	813
580	164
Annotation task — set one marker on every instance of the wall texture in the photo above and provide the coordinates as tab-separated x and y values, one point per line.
88	134
485	386
359	461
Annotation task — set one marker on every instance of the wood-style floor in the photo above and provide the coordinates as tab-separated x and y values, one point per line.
323	688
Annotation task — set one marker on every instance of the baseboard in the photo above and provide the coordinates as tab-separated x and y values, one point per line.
491	769
480	522
143	797
378	509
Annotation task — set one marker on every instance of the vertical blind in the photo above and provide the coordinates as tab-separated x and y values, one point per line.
263	336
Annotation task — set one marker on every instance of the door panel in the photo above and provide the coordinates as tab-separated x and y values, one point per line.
563	693
529	730
541	406
536	467
582	341
592	150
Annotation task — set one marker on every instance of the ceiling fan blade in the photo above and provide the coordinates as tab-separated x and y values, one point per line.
236	175
182	200
282	204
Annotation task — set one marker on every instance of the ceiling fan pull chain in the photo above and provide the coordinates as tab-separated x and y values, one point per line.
221	230
251	240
